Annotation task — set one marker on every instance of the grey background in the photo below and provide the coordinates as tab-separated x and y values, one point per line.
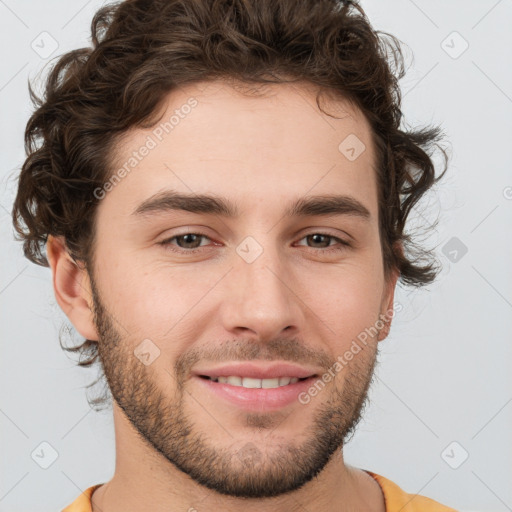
443	376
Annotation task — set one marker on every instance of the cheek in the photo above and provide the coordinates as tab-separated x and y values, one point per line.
157	299
348	301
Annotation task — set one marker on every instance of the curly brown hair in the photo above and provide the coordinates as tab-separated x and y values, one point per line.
143	49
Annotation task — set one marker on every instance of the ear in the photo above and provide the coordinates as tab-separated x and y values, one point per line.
388	297
72	288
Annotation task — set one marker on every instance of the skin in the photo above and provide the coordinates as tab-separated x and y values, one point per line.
295	302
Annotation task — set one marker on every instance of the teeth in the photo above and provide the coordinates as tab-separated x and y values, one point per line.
270	383
249	382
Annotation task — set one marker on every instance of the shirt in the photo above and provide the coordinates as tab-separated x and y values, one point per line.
396	499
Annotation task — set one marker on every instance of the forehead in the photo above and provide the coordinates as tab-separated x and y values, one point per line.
270	143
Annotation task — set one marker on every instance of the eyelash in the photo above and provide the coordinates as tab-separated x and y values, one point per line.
168	245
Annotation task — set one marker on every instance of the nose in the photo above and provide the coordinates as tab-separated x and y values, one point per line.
259	297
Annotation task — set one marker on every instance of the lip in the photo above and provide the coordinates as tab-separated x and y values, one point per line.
256	399
258	371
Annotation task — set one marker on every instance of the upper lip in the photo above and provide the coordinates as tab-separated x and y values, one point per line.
257	370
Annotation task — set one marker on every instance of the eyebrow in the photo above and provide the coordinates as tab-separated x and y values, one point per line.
319	205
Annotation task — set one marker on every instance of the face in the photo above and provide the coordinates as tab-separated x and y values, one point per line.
273	280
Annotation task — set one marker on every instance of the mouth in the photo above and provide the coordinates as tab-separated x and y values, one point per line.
257	386
254	383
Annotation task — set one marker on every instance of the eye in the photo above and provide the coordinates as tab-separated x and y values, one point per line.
187	241
316	238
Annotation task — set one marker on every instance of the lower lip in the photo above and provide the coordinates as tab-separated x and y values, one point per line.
258	399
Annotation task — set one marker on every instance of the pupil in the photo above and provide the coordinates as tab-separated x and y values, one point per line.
316	236
188	236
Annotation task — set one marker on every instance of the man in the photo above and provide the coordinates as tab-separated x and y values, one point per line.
221	189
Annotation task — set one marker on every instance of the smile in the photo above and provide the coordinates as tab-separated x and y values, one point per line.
252	383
